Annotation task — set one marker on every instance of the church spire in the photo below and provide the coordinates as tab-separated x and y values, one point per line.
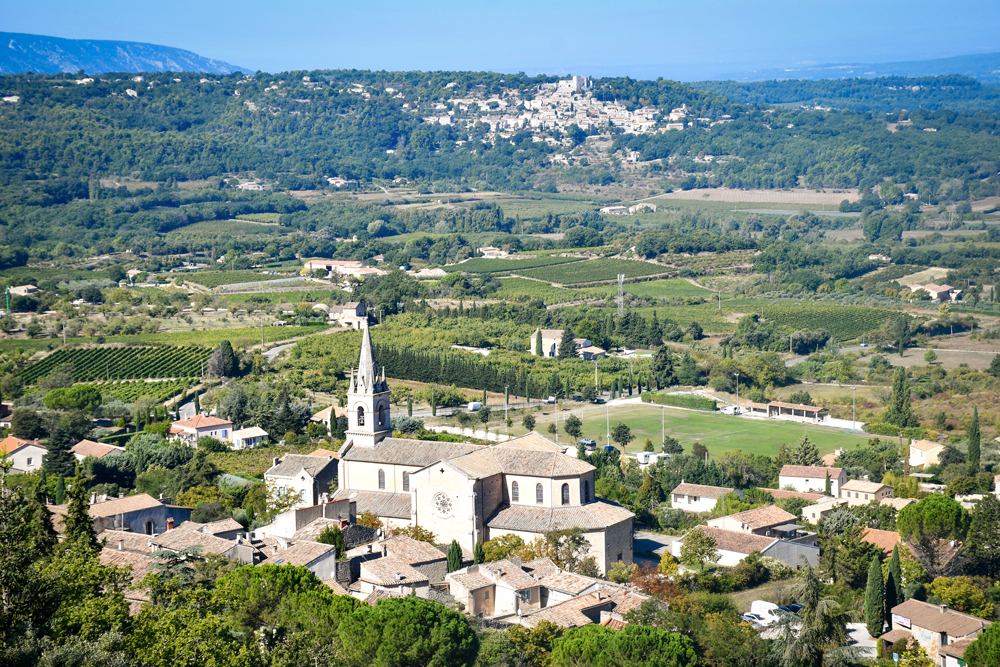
366	365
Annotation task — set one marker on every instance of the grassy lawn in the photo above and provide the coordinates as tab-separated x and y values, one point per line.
772	591
719	433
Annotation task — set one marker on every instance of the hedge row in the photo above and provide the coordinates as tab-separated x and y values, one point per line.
680	401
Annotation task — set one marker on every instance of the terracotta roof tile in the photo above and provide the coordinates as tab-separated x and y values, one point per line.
390	571
11	444
540	567
567	582
187	535
863	486
515	461
131	541
95	449
817	472
591	516
570	614
336	587
139	501
925	445
509	573
411	551
400	451
736	541
301	553
471	582
140	563
778	494
381	503
200	421
932	617
957	649
763	517
685	489
883	539
291	464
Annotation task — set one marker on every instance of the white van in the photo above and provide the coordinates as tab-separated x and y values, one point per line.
768	611
475	406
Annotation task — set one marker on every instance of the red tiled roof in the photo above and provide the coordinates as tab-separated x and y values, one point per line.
200	421
778	494
883	539
95	449
11	444
701	490
819	472
763	517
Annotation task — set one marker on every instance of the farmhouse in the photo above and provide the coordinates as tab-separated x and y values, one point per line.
489	252
23	290
465	492
201	426
550	343
812	478
245	438
696	497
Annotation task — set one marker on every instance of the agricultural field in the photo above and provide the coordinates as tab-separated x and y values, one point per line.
126	362
215	228
219	278
264	218
131	391
594	270
671	288
289	297
480	265
843	322
522	289
22	275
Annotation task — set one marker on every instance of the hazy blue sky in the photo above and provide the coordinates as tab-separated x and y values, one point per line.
670	39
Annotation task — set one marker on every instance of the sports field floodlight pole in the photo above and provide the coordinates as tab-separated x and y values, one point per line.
737	393
854	409
506	402
608	409
663	424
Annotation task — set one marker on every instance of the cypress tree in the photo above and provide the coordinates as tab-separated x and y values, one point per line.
974	437
538	343
827	489
409	405
197	404
434	405
77	526
61	490
454	557
567	345
479	554
900	413
874	600
893	584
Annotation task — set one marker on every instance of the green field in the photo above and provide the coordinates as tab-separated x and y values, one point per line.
217	278
672	288
594	270
213	228
521	289
843	322
719	433
97	363
480	265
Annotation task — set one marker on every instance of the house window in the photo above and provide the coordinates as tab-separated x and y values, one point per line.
619	556
29	462
692	499
539	494
487	596
526	596
565	494
514	495
406	481
361	416
149	527
586	491
381	479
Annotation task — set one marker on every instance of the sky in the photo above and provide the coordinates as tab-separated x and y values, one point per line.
641	38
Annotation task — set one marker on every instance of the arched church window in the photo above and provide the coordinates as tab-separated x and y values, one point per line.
381	479
382	414
539	494
565	494
361	416
406	481
514	495
586	491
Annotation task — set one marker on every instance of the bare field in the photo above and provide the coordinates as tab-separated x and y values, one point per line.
798	196
923	277
844	235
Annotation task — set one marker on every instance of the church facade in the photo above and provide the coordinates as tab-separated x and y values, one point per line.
465	492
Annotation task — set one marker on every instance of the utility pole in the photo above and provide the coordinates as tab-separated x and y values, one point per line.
262	331
557	418
597	385
854	409
607	407
506	402
621	294
663	424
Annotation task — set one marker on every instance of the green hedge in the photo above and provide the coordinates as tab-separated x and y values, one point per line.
680	401
882	428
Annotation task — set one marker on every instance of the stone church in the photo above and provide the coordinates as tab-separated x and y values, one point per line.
527	486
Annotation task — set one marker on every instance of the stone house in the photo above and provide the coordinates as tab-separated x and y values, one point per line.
934	627
861	492
308	477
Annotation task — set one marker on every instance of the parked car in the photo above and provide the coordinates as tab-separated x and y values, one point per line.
765	610
753	619
791	608
587	442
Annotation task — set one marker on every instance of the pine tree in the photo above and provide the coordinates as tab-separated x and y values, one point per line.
875	600
478	554
538	343
78	528
454	557
893	584
41	519
974	438
59	460
61	490
806	454
567	345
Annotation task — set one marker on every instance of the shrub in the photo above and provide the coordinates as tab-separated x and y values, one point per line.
680	401
882	428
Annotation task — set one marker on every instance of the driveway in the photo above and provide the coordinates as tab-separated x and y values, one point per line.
271	354
648	547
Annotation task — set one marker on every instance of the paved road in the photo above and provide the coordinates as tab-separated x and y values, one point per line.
648	547
271	354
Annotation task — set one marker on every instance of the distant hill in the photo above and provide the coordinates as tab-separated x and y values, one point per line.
38	53
984	67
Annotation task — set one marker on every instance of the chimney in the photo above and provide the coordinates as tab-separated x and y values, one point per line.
274	461
170	523
93	499
943	607
121	544
161	496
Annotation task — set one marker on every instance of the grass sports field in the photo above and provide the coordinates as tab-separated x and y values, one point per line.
719	433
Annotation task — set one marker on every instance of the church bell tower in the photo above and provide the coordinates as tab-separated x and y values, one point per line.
367	400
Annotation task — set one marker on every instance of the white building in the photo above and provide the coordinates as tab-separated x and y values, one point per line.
23	290
551	338
733	546
245	438
201	426
812	478
25	455
98	450
696	497
307	477
489	252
